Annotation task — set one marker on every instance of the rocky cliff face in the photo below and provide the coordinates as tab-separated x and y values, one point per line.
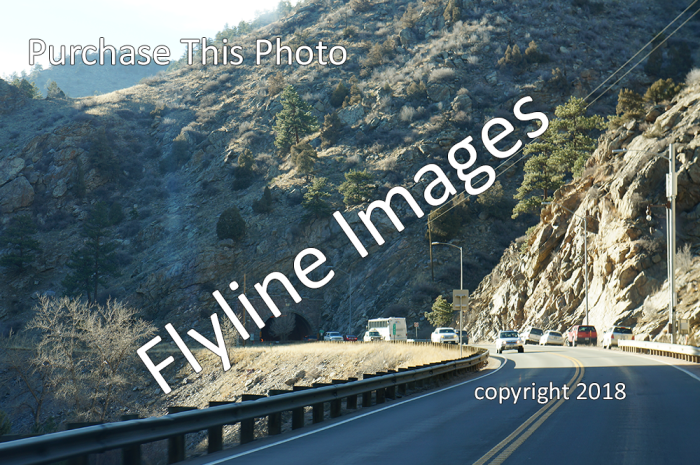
541	281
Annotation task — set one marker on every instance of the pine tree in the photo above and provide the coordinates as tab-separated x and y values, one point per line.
661	90
446	221
339	94
264	204
96	259
18	238
330	132
231	225
315	199
294	120
441	314
53	91
304	158
540	176
572	131
356	188
629	104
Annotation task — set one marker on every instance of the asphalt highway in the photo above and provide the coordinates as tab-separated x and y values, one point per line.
630	409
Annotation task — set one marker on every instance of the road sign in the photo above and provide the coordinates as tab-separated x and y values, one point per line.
321	331
415	325
460	299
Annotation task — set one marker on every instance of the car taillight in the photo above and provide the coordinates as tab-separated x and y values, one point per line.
633	338
612	336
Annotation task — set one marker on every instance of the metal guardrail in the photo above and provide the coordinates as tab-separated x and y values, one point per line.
688	353
131	434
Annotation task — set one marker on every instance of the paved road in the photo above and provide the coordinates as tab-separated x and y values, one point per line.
654	418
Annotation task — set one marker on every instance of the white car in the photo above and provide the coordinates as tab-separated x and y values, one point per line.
552	337
531	335
509	340
444	335
332	336
615	334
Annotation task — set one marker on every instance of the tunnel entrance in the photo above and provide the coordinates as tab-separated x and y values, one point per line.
296	324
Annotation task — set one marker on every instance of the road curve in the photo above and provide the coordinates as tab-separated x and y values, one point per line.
650	416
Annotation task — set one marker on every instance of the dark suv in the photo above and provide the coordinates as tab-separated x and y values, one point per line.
582	334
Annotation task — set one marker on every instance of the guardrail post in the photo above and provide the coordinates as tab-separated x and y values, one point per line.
351	401
248	425
298	413
318	408
83	459
390	392
176	444
215	434
367	396
336	405
274	420
131	455
380	394
402	386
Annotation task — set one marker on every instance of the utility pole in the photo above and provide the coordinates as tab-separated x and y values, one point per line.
430	241
671	192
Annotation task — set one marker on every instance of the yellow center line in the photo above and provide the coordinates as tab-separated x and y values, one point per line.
542	414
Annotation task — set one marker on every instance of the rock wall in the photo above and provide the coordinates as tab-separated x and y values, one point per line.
542	281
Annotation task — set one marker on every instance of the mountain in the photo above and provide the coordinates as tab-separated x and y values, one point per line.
541	281
419	78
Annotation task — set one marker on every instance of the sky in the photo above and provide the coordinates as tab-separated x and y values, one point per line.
133	22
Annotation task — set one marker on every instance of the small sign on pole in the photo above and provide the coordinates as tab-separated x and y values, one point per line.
415	325
460	299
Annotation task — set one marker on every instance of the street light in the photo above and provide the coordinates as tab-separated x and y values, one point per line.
585	250
671	193
461	288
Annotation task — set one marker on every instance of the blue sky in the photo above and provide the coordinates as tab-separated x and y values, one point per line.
133	22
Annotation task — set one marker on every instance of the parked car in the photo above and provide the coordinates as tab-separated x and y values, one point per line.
349	337
552	337
509	340
615	334
310	338
372	335
582	334
531	335
444	335
332	336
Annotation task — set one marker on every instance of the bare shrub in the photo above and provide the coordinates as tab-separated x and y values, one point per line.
684	259
693	77
353	159
407	113
86	350
441	74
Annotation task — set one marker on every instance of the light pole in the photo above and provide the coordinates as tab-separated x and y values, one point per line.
461	288
671	193
585	250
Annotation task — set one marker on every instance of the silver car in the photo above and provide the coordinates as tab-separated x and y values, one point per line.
531	335
615	334
509	340
552	337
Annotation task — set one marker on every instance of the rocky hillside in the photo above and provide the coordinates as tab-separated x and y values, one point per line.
420	80
541	281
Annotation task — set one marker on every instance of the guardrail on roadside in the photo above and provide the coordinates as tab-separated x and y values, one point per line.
689	353
130	435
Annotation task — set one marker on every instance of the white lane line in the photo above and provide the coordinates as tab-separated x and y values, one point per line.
216	462
692	375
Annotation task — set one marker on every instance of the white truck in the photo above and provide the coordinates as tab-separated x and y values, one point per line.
390	329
